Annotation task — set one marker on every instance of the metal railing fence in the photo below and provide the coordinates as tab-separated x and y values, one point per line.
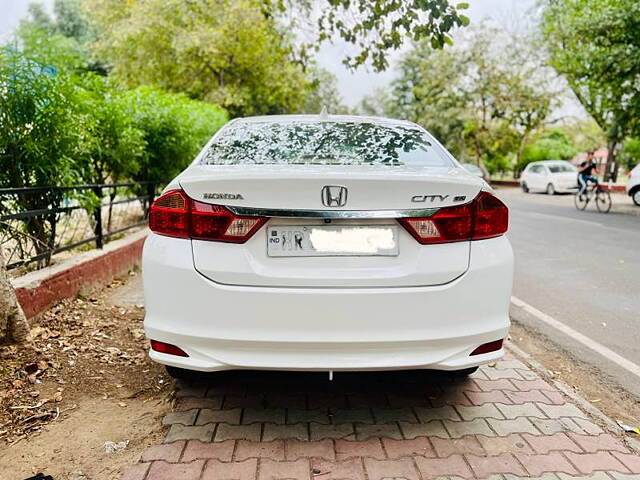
39	222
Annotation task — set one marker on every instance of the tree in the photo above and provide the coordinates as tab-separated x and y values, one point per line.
374	27
595	45
323	93
482	99
584	135
13	324
227	53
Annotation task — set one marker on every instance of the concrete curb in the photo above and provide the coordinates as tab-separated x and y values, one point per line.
84	272
583	403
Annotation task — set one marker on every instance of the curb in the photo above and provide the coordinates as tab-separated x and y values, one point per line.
38	290
582	402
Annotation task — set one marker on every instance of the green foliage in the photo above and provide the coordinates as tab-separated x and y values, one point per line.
38	138
549	145
630	154
584	135
63	124
376	27
174	129
482	99
112	145
595	45
48	48
226	53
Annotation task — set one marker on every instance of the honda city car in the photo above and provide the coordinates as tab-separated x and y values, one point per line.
326	243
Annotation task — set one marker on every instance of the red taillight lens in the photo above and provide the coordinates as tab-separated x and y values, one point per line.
487	348
167	348
491	217
169	214
451	224
485	217
214	222
176	215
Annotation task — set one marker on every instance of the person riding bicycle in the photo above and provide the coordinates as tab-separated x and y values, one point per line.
585	173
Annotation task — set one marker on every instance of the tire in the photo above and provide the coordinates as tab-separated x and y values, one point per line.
603	201
581	200
525	187
180	373
462	373
551	190
635	196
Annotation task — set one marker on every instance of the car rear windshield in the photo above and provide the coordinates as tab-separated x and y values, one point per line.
559	168
323	143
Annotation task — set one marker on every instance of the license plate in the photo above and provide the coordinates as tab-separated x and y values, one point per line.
329	240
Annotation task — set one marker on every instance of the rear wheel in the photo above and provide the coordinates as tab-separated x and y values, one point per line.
635	196
581	200
551	190
525	187
603	201
463	373
180	373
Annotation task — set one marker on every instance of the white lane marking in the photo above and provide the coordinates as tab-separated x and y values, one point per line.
583	339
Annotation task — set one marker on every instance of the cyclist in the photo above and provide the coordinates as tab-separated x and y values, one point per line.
585	173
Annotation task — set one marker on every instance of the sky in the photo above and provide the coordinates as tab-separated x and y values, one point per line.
353	86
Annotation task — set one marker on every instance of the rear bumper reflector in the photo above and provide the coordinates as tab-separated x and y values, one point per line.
488	347
167	348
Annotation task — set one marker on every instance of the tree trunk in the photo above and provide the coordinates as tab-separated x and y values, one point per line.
611	167
13	324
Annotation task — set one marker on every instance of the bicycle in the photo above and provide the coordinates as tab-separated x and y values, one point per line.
593	192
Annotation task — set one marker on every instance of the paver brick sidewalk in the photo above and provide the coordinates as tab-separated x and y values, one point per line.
504	422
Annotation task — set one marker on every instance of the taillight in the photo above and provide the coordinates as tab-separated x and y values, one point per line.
176	215
485	217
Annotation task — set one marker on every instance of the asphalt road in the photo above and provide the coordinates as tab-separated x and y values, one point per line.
582	269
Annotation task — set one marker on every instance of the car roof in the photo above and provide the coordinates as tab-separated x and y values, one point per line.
324	118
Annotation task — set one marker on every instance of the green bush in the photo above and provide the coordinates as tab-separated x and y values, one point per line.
174	129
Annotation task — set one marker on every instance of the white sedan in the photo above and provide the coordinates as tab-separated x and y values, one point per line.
633	185
326	243
550	176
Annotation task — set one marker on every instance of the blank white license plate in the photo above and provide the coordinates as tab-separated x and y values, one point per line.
329	240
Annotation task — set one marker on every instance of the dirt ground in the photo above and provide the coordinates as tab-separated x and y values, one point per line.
86	381
586	380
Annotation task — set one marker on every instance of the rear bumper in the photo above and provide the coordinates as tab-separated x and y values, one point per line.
230	327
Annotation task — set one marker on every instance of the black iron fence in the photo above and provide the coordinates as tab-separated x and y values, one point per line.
37	223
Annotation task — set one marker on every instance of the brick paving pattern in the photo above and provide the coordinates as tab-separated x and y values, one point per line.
502	423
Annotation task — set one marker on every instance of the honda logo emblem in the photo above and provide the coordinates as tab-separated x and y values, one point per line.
334	196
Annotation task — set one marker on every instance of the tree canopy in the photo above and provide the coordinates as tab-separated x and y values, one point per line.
375	27
482	99
595	45
223	52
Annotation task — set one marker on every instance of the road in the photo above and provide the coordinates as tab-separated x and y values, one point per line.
583	270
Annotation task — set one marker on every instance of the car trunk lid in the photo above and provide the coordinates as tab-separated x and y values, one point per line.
292	196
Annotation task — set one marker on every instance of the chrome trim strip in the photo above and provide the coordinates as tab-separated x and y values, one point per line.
285	213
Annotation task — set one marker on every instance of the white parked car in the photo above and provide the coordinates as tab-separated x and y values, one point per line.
326	243
633	185
550	176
